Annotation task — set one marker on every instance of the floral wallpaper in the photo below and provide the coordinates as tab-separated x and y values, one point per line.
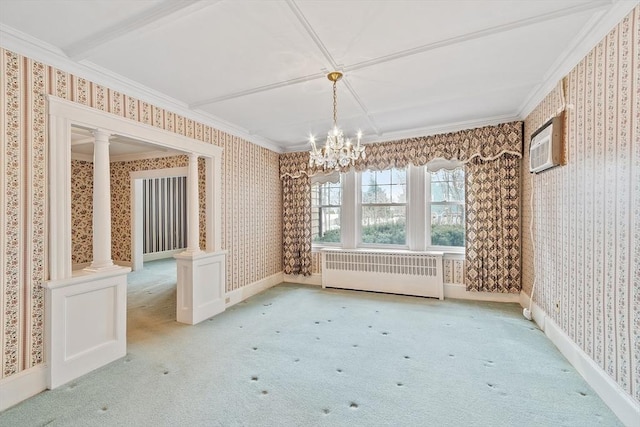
251	197
453	270
81	212
586	214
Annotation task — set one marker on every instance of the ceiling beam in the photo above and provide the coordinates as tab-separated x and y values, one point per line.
83	48
258	89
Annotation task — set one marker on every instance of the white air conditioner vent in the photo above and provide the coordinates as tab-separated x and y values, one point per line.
546	146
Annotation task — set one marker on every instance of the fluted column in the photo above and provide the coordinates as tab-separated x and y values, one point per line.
193	206
101	203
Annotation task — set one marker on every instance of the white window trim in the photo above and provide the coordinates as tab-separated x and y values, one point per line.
418	213
358	219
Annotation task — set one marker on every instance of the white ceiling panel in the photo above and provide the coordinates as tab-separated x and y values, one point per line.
218	50
477	66
64	22
443	113
258	68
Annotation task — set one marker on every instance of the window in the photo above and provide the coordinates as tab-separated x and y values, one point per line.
326	201
384	207
417	208
446	206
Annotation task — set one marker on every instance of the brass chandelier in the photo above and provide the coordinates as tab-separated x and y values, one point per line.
337	152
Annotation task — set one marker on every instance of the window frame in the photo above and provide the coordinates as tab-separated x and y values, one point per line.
418	213
329	179
362	244
450	165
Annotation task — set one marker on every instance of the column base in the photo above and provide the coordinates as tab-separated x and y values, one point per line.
190	252
101	267
201	286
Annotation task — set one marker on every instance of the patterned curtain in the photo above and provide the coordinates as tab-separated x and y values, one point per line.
296	212
493	224
492	157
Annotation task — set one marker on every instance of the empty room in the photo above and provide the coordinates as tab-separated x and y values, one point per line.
320	213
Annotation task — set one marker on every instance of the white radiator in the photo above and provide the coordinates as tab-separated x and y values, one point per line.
397	272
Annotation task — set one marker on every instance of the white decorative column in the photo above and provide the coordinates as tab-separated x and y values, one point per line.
201	275
193	207
101	203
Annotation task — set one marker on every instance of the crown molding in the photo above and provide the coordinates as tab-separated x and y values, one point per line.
423	132
590	35
31	47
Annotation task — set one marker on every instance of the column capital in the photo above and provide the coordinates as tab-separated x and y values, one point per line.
101	135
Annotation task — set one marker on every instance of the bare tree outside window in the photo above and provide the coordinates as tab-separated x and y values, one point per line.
447	207
326	202
384	207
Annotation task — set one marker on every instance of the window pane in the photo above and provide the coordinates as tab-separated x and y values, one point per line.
384	225
388	186
447	186
399	193
328	227
335	195
447	224
325	212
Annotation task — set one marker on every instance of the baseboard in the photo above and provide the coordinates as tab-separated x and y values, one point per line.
22	386
239	295
619	401
459	291
314	279
160	255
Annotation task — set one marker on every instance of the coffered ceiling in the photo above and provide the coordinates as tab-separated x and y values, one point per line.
258	68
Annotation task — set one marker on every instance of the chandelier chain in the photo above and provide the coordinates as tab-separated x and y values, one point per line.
335	104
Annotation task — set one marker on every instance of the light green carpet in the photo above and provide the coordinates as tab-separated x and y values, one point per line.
301	356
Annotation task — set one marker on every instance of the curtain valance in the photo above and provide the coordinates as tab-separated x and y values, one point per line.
486	143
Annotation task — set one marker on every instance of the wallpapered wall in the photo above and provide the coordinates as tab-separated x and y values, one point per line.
82	204
251	201
587	213
81	211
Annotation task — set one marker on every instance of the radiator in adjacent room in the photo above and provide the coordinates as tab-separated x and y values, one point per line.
395	272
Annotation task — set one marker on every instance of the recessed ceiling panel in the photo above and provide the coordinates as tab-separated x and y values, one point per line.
65	22
221	49
482	65
472	109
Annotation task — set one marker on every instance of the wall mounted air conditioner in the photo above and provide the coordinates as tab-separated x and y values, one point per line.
546	145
